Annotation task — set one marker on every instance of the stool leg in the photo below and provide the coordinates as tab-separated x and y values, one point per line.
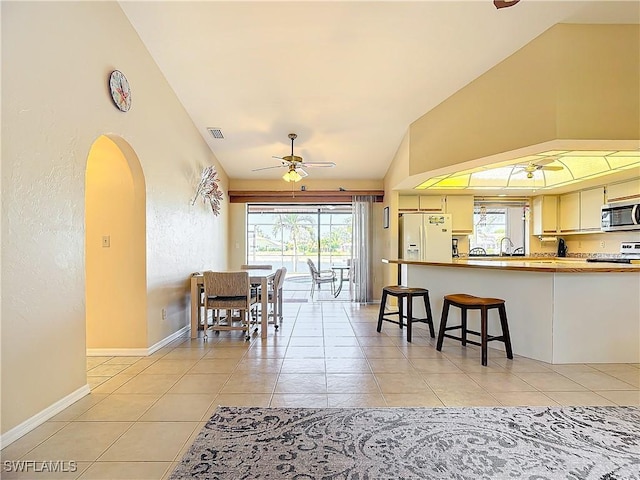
463	321
443	324
400	311
409	316
427	307
505	330
483	334
383	303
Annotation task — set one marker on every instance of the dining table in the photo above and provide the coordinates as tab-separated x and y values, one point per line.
340	269
257	277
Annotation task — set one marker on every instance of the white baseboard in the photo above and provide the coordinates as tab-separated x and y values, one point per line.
39	418
169	339
136	352
52	410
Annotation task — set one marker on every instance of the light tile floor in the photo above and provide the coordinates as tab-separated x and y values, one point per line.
143	413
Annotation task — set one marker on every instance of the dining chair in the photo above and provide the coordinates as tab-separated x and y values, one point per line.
255	289
318	277
275	296
229	291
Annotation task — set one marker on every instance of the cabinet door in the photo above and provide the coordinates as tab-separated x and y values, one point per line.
590	204
408	202
545	215
570	212
620	192
431	203
461	209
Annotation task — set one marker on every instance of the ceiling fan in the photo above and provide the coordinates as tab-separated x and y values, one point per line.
294	164
531	167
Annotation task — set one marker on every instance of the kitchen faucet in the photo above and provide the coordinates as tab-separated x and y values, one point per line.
502	252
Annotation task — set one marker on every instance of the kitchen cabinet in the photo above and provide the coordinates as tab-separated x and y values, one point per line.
459	206
461	209
570	212
590	209
620	192
408	202
580	211
432	203
545	215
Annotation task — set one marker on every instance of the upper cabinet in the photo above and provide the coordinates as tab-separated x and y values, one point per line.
620	192
408	202
432	203
459	206
591	202
461	209
570	212
545	215
580	211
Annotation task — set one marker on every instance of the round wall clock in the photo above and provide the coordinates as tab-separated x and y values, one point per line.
120	90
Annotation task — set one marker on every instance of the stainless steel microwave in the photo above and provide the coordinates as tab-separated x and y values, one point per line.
621	216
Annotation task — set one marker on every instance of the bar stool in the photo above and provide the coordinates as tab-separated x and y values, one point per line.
400	293
468	302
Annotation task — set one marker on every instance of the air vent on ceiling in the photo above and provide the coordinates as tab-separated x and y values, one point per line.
215	132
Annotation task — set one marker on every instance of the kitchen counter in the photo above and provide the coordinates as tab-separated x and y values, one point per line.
531	264
560	310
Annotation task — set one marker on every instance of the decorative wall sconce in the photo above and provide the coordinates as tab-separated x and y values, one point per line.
209	190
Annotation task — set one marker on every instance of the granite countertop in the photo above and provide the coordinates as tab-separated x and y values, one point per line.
533	264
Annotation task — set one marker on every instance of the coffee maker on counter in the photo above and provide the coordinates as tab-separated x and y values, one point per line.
454	248
562	248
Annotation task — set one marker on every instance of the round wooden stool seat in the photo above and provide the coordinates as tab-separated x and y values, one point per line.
470	302
401	292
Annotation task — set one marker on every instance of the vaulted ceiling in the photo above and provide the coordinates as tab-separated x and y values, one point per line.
347	77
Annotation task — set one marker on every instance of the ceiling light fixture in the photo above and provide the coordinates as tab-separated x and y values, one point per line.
554	168
292	175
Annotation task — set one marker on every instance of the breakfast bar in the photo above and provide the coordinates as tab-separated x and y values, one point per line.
560	310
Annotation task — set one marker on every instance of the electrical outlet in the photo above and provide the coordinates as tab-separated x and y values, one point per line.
602	244
164	313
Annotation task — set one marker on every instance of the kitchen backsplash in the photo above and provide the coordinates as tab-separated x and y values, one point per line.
585	245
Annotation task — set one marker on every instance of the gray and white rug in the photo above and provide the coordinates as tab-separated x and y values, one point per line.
533	443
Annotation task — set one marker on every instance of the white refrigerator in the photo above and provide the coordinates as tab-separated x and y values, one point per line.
425	237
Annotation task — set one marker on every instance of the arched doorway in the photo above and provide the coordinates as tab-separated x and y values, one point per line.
115	249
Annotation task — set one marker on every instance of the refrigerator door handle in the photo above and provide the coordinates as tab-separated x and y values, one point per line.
422	242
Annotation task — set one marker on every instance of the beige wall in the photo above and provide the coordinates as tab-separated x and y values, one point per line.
572	82
55	104
398	171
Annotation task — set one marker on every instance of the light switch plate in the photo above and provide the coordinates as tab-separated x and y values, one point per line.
106	241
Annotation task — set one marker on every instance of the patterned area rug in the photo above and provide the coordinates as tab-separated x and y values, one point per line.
532	443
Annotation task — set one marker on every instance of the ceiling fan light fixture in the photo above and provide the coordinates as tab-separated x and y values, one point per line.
292	176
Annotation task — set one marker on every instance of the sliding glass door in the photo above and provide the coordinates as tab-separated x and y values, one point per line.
287	235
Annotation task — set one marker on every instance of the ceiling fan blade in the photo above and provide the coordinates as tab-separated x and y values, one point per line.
268	168
318	164
544	161
302	172
550	167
